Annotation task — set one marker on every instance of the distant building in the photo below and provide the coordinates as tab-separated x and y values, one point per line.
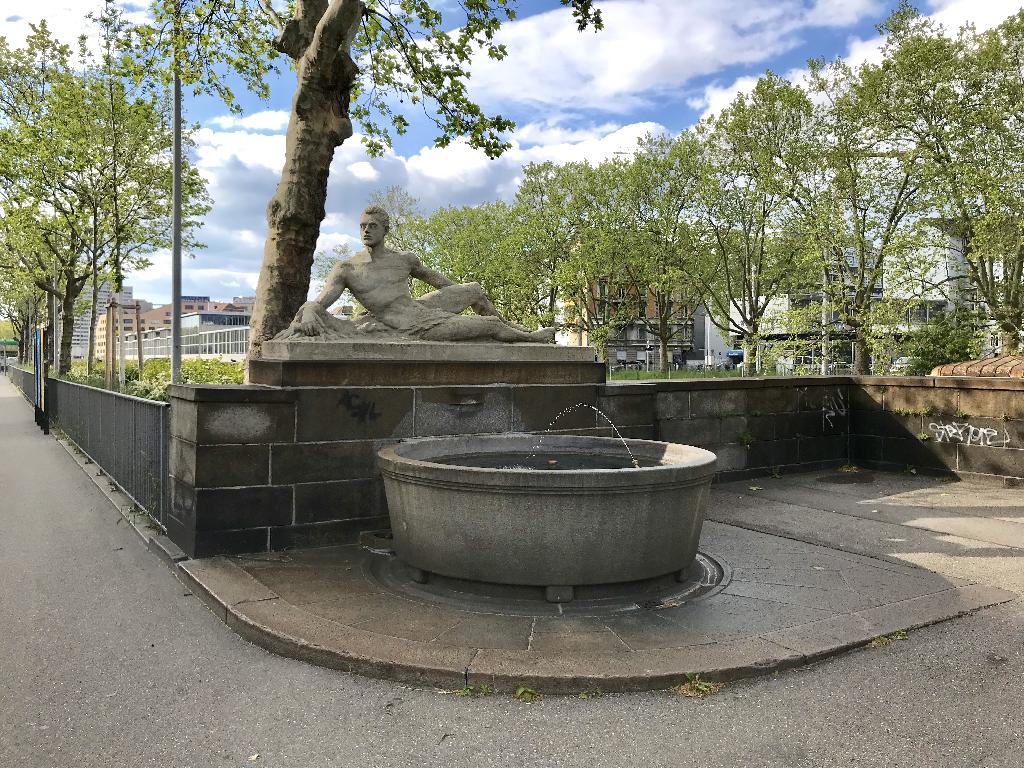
151	318
212	319
693	341
80	339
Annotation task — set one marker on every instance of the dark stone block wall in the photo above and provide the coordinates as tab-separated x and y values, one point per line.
972	427
265	468
755	426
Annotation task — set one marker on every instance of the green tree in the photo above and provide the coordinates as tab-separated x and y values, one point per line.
405	214
84	172
554	207
953	337
575	238
483	244
861	201
651	237
960	100
325	261
752	235
21	306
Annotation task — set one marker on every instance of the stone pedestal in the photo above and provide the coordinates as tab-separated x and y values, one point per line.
317	363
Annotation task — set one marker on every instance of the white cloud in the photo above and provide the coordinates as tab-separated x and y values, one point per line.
216	149
328	240
716	98
197	279
984	14
274	120
364	171
951	13
647	48
841	13
242	179
553	131
65	18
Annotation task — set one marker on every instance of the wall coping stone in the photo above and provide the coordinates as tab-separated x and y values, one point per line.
230	393
941	382
689	385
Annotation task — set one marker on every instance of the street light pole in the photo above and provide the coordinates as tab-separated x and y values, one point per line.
176	236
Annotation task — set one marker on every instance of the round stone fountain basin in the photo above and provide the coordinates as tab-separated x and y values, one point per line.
546	510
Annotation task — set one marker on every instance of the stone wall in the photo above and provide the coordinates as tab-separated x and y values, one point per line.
755	426
257	468
973	427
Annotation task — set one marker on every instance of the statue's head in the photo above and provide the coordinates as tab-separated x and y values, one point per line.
374	223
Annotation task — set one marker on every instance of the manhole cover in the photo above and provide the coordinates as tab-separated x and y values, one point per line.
706	576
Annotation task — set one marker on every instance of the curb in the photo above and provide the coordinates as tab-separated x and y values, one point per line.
262	617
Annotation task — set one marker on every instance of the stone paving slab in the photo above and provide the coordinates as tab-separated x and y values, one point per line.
785	602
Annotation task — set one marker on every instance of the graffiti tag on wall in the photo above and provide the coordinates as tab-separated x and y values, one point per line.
833	405
968	434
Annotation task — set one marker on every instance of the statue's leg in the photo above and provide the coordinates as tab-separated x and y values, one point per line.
455	298
458	298
477	328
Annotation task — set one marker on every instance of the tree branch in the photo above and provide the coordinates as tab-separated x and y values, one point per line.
275	19
335	31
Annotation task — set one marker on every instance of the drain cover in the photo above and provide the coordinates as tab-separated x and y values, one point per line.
707	575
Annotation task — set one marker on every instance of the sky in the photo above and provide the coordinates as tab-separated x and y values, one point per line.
658	66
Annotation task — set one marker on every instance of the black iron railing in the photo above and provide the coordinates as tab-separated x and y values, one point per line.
127	437
24	381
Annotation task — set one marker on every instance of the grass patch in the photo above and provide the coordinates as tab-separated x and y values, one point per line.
883	640
525	694
473	691
695	688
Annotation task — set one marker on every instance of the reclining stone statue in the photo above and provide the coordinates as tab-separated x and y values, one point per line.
378	278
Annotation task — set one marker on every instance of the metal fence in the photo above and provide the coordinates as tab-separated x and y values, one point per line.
23	380
127	437
224	343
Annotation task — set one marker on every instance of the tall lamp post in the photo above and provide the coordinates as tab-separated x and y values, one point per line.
176	234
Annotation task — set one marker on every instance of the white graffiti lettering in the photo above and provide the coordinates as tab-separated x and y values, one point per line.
968	434
833	406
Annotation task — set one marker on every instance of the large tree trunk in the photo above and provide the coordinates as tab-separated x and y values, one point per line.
90	358
861	355
750	344
318	124
67	332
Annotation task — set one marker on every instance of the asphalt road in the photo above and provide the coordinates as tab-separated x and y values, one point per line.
106	660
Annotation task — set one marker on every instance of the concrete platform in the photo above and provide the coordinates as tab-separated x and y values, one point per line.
315	349
317	363
782	603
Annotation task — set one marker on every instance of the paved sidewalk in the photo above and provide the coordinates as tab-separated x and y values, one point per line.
106	661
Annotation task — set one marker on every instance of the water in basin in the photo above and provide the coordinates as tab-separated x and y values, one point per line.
543	460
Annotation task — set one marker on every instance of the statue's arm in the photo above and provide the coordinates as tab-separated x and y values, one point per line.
307	320
427	275
334	286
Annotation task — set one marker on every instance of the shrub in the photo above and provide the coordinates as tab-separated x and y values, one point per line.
156	375
152	383
953	337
